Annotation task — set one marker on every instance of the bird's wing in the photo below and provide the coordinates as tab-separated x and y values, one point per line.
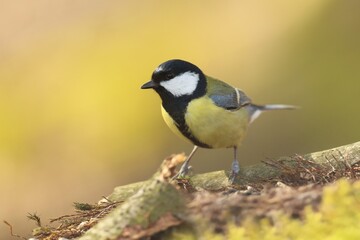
226	96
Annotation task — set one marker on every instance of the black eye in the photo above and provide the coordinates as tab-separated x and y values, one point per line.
169	76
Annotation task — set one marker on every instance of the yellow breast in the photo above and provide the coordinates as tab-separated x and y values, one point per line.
213	125
171	124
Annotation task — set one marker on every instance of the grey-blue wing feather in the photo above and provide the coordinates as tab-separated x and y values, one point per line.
226	96
225	101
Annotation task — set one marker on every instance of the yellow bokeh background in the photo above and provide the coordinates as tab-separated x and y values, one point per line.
74	122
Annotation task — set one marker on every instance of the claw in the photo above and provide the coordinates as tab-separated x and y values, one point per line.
232	177
183	172
185	167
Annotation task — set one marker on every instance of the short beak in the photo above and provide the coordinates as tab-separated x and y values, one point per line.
149	84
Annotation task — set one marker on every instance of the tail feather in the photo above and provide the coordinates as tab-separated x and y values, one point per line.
256	110
277	107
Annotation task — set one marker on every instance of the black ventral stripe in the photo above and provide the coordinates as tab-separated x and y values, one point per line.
177	111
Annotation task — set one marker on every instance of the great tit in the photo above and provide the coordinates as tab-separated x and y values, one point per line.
205	111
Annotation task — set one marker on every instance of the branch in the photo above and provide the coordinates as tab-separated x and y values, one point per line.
336	158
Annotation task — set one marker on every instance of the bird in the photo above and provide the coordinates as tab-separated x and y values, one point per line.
204	111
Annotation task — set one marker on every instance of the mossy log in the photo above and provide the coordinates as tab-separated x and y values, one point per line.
150	210
336	158
156	204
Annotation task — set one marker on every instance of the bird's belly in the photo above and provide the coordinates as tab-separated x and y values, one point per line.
216	126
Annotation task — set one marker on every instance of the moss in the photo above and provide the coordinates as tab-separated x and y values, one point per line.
337	218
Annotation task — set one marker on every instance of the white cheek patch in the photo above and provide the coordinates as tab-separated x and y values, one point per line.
184	84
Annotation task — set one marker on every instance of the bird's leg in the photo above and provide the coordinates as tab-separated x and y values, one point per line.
185	166
235	167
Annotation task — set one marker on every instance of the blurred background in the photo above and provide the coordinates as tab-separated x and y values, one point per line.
74	123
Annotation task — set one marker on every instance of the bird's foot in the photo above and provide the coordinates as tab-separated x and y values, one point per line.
232	177
235	169
183	172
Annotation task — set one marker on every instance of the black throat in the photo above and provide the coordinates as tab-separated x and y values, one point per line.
176	107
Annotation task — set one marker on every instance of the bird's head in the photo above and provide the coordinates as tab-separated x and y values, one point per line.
177	79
